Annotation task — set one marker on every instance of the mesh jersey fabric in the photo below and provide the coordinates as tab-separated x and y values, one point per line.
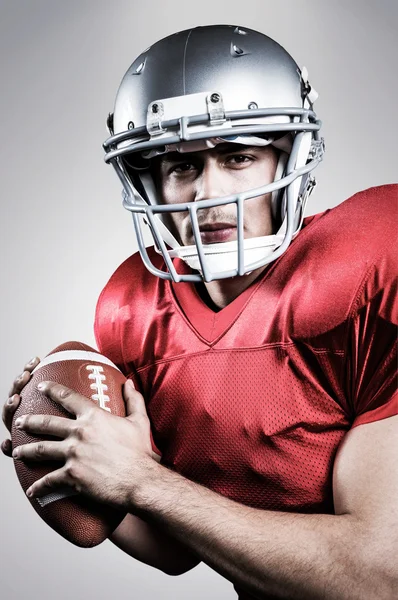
253	401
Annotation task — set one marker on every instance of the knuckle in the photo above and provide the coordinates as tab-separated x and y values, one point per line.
40	449
90	412
46	421
31	364
47	481
79	432
8	410
18	379
12	404
91	419
70	470
142	420
19	383
73	450
65	392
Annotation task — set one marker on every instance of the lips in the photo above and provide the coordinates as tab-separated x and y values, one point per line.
212	233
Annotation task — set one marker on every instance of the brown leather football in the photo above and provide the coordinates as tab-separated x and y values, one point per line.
77	518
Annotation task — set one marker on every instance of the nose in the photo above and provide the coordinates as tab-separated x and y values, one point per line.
210	183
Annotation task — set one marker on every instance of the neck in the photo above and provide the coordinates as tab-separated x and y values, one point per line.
221	292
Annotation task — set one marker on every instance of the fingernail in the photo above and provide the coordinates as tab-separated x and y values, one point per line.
18	422
131	384
41	385
15	453
10	400
32	360
29	493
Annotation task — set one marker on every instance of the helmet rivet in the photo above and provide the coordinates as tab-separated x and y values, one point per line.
215	98
155	108
252	106
130	125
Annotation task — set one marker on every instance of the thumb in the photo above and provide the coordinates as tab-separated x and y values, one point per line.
135	404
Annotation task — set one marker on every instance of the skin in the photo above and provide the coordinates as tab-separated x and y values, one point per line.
226	169
350	555
173	522
146	543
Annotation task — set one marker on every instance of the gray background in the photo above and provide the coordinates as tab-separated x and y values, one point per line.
63	230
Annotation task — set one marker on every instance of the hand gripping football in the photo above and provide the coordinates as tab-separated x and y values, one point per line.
77	518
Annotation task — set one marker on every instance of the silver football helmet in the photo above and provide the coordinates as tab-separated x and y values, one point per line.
195	89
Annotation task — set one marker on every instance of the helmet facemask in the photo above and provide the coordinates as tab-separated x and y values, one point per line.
200	120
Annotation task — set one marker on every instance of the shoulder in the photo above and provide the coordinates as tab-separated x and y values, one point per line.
132	271
365	215
130	288
361	234
362	230
340	260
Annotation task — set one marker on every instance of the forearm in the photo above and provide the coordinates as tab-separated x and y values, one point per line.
150	545
281	554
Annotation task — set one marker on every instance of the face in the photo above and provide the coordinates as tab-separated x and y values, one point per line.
221	171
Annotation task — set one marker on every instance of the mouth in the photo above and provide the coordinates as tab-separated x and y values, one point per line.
211	233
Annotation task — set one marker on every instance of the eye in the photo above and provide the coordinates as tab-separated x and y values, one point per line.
239	159
182	168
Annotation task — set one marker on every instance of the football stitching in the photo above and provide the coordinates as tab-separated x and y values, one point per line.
99	386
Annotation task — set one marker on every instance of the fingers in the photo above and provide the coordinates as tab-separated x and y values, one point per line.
72	401
135	404
47	425
9	409
20	381
42	450
59	478
32	364
61	427
6	447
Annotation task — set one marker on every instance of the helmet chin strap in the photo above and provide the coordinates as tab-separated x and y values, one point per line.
223	256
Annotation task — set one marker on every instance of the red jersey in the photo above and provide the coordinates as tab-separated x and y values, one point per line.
253	401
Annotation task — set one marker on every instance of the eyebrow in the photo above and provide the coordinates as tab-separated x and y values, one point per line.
221	149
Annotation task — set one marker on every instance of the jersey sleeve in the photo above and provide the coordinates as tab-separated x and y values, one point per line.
111	315
372	344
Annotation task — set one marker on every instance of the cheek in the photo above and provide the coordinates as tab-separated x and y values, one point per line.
174	222
258	217
174	191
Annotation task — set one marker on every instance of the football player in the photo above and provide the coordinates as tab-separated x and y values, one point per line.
261	345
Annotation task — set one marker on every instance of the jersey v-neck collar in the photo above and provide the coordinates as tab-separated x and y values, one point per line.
207	323
210	326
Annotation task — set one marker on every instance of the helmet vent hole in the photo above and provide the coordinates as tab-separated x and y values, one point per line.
240	31
140	68
237	50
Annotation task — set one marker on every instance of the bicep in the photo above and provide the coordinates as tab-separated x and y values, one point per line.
365	485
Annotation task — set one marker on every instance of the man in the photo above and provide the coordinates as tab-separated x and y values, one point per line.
264	348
